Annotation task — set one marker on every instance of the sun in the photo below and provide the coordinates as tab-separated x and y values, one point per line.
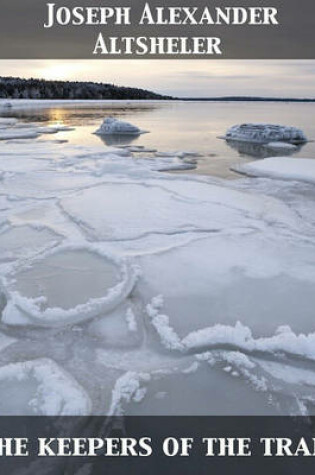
59	70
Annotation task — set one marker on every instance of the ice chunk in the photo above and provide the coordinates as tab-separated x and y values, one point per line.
112	126
300	169
265	133
41	387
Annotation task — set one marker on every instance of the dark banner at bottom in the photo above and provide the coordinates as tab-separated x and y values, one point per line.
157	445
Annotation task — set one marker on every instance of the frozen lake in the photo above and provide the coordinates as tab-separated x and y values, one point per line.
180	126
125	290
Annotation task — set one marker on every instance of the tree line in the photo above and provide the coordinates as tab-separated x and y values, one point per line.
16	88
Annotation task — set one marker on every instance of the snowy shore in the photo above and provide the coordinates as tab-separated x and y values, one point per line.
137	291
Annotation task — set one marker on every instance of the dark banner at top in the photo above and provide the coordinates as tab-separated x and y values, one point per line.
125	29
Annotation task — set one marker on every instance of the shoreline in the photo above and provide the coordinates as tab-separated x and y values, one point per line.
16	103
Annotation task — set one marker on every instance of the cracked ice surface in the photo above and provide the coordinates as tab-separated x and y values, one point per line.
128	290
40	387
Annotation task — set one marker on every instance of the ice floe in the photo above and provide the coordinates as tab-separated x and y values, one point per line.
113	126
7	122
265	133
12	134
55	300
281	146
19	242
300	169
242	279
6	105
40	387
119	329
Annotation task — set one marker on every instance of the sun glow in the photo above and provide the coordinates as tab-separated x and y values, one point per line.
190	78
60	71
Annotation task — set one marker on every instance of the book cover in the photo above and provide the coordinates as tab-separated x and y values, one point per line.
157	252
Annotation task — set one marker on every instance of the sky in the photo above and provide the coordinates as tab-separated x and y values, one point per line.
181	78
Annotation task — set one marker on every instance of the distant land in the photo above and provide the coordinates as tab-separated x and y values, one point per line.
18	88
249	99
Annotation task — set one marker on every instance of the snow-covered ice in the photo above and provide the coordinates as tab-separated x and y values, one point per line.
50	292
113	126
40	387
6	105
16	133
281	146
297	169
265	133
126	290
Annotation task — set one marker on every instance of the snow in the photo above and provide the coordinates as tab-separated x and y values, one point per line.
265	133
300	169
112	126
241	337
